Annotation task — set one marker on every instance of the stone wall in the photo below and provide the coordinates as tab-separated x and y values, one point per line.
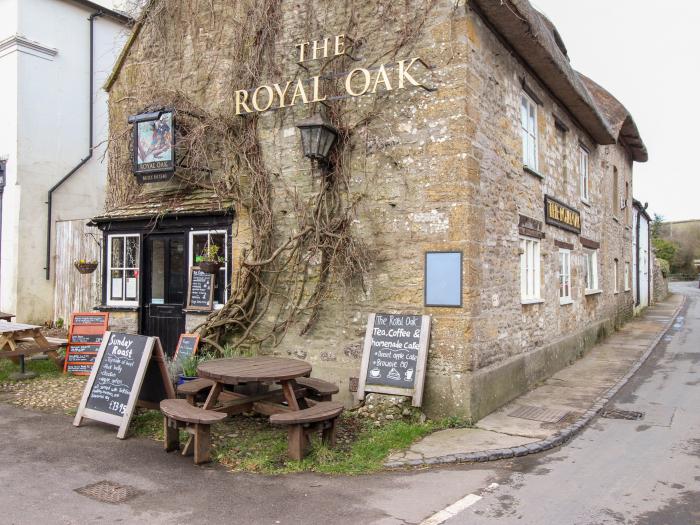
659	282
431	170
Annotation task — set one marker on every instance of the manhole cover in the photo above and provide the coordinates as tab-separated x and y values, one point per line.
108	492
545	415
614	413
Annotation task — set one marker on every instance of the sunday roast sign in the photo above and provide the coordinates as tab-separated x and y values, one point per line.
394	355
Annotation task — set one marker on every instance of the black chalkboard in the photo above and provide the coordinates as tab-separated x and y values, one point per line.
116	374
186	346
89	319
394	355
79	367
200	294
128	370
86	338
81	358
83	348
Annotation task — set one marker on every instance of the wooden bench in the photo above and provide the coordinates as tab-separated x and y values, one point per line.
178	413
318	389
301	423
191	389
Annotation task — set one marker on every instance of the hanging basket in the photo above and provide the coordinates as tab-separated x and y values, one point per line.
85	267
210	266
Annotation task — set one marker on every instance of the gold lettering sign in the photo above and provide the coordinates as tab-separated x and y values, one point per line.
559	214
358	82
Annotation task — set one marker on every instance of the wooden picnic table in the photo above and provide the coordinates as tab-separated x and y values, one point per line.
10	336
263	369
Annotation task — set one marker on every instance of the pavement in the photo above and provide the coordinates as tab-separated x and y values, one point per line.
551	414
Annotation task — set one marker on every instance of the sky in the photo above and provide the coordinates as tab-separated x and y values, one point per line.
647	54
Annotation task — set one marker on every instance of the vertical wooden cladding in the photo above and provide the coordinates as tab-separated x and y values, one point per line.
76	292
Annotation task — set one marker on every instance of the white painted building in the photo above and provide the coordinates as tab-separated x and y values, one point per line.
641	257
52	54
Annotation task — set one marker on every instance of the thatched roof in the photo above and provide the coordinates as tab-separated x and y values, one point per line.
619	119
530	35
167	202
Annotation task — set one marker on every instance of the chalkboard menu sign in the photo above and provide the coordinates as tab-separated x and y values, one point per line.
126	364
186	346
394	355
84	339
200	293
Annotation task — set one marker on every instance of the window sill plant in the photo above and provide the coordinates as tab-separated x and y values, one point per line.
210	261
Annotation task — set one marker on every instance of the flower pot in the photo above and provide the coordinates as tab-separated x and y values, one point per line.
183	378
210	266
86	267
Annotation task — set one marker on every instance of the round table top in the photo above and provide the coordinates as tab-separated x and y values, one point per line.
252	369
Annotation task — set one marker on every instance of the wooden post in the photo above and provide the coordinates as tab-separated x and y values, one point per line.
296	439
172	434
328	435
201	444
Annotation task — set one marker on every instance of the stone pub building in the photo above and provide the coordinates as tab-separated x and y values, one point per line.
456	166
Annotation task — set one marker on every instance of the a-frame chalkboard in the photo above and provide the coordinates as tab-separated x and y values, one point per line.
129	370
187	346
394	355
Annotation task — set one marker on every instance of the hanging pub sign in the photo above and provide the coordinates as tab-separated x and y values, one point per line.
394	355
560	215
153	146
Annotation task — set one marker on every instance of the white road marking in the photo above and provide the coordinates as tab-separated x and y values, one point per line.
451	511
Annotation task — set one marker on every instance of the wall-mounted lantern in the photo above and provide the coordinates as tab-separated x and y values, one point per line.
317	137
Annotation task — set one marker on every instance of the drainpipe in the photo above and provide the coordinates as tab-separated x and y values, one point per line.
636	255
80	164
3	179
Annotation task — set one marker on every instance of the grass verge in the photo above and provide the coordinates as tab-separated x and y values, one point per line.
251	444
43	368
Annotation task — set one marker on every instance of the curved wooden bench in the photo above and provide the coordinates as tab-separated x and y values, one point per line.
191	389
178	413
318	389
301	423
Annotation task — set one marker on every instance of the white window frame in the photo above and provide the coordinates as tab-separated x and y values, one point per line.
122	302
627	277
616	276
583	164
530	286
564	275
590	260
530	146
190	258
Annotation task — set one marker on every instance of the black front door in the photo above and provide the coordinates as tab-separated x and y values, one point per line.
165	280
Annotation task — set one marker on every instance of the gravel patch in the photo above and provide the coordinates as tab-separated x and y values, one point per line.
50	394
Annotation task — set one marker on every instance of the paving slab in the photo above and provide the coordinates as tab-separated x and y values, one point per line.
582	389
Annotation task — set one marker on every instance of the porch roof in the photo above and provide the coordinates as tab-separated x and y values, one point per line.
168	203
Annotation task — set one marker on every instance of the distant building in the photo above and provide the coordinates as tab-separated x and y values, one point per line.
642	268
54	57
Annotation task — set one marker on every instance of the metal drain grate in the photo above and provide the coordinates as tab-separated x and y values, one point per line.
108	492
614	413
546	415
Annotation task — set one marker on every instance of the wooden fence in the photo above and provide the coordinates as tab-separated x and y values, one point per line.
74	291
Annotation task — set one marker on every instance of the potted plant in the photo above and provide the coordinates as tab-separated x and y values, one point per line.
189	368
210	261
85	266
